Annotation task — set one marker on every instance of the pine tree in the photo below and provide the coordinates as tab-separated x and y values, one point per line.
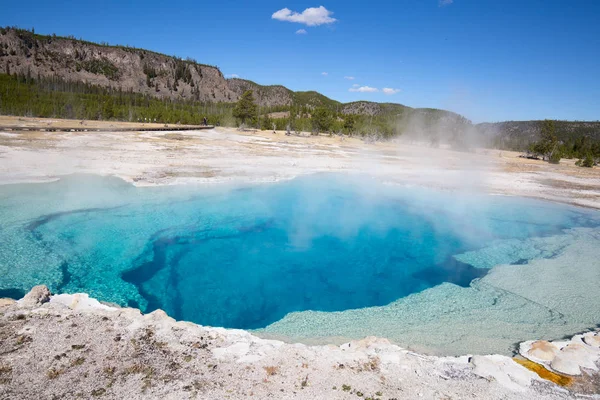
322	119
549	142
245	108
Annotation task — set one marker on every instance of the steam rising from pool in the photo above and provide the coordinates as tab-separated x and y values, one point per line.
319	256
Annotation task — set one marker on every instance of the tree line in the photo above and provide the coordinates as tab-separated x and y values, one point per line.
551	149
53	97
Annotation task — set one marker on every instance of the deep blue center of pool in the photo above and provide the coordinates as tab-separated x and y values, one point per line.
244	258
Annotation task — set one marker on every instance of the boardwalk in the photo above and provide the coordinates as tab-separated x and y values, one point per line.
103	129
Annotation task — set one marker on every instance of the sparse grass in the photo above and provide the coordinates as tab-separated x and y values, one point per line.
147	371
147	384
148	333
187	358
271	370
304	382
77	361
346	388
109	370
5	374
372	365
77	346
22	339
98	392
5	369
138	369
54	373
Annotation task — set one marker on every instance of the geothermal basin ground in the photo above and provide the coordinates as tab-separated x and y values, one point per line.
315	240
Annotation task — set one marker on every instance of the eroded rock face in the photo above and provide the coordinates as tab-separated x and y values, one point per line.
36	297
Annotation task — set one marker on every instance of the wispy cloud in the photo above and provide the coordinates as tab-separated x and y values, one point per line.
301	32
390	91
313	16
363	89
444	3
324	73
350	78
232	76
356	85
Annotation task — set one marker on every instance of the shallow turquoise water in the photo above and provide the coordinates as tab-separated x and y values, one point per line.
246	257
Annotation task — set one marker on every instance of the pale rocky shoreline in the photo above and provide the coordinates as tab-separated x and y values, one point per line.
71	346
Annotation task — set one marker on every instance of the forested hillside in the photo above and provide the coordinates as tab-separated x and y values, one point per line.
50	76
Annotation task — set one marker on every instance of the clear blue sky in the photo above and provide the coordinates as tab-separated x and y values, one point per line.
488	60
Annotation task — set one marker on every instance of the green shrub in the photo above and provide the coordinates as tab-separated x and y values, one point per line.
555	157
587	161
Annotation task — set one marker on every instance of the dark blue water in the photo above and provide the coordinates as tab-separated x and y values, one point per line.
245	257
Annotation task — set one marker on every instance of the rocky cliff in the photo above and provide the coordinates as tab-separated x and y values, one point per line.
144	71
129	69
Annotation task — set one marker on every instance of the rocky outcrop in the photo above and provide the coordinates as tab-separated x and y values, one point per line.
276	95
75	347
36	297
574	357
117	67
362	107
126	68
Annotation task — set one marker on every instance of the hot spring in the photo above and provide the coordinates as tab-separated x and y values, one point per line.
319	259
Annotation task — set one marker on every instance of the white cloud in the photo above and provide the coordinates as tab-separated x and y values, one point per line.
313	16
363	89
232	76
390	91
356	85
324	73
301	32
350	78
443	3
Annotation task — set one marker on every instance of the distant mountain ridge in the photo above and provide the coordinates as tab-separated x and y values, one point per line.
148	72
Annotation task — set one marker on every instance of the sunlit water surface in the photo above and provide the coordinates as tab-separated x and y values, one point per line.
399	262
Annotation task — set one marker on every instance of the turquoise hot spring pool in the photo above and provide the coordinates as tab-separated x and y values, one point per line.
322	258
